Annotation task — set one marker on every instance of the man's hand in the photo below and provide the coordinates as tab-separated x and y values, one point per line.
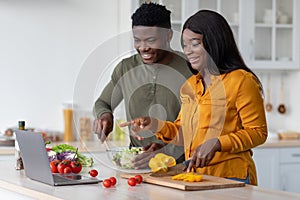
103	126
142	160
204	153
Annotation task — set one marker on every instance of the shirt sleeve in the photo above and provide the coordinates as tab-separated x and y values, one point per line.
250	108
111	95
170	132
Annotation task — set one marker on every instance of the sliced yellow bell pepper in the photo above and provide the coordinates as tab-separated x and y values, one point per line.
161	162
188	177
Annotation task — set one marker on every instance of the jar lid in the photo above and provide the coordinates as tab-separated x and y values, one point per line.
21	123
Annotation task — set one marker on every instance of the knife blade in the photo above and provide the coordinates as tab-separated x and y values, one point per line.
177	169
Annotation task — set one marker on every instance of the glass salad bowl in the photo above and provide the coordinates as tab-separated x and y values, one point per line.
121	156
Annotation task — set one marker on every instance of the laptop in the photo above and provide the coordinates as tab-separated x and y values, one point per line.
36	162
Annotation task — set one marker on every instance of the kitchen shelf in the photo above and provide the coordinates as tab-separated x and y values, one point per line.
265	30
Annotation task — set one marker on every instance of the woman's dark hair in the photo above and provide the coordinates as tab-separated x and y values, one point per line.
218	41
152	14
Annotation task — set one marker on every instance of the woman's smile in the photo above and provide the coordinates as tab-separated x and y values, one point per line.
194	60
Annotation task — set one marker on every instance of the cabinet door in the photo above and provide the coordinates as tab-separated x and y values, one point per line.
267	167
266	31
276	44
230	10
289	177
290	169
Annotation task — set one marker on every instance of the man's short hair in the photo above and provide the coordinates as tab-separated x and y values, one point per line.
152	14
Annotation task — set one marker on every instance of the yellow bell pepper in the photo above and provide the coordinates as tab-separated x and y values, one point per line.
161	162
188	177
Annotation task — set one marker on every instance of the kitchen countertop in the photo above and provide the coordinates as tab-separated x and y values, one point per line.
15	184
83	146
96	146
274	142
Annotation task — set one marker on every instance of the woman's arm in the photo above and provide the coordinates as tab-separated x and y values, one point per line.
250	108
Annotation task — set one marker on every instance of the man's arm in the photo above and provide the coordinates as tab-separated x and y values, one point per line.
103	108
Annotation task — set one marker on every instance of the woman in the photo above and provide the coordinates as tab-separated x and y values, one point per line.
222	114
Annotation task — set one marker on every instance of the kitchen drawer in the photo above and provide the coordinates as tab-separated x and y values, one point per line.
289	155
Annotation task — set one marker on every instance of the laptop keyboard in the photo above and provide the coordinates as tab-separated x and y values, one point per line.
59	179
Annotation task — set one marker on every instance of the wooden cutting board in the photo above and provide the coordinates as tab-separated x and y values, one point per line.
207	183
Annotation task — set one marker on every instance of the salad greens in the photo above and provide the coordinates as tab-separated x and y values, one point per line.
123	158
65	151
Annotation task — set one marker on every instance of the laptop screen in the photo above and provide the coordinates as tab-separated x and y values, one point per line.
34	155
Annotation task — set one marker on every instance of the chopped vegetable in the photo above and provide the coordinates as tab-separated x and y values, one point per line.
67	155
161	162
123	158
52	155
188	177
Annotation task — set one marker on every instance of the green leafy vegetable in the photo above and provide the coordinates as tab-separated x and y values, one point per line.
84	160
123	158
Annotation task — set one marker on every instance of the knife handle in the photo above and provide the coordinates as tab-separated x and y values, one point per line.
186	162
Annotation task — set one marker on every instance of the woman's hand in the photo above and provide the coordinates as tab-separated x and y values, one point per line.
204	153
138	125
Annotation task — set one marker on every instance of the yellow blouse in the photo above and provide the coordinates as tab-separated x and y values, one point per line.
230	109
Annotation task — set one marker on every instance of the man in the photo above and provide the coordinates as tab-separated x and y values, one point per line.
149	81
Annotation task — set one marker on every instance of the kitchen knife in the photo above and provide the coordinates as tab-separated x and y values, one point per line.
177	169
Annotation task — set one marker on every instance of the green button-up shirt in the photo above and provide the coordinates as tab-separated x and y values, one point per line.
147	90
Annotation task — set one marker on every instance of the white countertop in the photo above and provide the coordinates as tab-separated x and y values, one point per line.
14	182
96	146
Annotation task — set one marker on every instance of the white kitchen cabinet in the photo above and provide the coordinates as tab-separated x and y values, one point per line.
278	168
266	31
289	159
276	34
180	10
267	167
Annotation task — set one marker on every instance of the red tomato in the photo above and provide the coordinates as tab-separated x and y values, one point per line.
53	166
113	181
131	181
61	166
106	183
93	173
138	178
76	167
67	162
67	170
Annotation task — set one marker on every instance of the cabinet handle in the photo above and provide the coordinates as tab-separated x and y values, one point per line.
295	155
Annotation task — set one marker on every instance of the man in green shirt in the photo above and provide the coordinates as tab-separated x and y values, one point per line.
149	81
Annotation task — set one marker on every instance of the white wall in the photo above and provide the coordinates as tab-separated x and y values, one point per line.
45	43
291	98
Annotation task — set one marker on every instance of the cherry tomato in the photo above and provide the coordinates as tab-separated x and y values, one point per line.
76	167
61	166
106	183
53	166
67	170
131	181
67	162
138	178
113	181
93	173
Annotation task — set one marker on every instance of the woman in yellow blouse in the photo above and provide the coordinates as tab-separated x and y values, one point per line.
222	114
